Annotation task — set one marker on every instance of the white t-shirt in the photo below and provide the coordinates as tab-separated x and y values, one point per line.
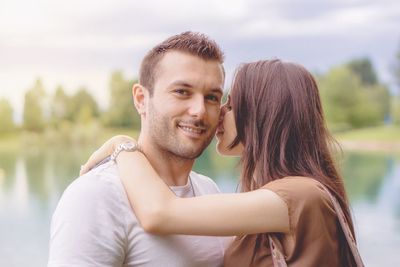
94	225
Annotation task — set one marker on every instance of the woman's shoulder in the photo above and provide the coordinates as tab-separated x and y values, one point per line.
297	183
300	189
305	198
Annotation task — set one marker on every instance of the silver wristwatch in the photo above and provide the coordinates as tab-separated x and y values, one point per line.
127	146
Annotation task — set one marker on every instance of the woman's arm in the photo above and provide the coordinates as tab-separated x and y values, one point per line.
161	212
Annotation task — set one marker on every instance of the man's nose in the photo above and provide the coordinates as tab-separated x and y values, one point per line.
197	107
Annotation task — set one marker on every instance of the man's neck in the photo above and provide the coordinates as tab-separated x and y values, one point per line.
173	170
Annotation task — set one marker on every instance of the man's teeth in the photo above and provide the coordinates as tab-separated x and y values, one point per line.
192	130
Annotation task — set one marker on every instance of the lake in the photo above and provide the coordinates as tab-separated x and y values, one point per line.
32	182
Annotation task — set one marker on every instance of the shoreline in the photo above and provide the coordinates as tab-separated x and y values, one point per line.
373	141
367	145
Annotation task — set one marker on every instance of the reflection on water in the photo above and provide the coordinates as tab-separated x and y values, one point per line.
378	220
31	184
364	174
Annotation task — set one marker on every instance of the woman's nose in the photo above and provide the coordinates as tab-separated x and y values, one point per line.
222	113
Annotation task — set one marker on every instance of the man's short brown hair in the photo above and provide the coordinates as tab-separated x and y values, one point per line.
193	43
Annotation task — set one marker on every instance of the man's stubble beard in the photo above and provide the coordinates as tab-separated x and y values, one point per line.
164	136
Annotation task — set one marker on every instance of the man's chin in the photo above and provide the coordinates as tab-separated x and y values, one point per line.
189	154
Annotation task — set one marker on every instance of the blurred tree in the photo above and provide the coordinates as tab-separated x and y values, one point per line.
82	106
121	111
346	103
379	96
6	117
363	68
60	107
395	112
395	107
377	93
33	116
396	68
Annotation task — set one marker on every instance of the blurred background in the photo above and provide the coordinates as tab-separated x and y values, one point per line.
67	67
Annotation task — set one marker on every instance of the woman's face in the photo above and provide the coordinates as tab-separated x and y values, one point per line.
226	132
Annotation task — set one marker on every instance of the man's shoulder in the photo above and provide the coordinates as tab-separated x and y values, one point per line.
102	180
98	188
90	221
96	195
204	182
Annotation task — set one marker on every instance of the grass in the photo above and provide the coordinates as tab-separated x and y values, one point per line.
10	141
385	138
385	133
23	139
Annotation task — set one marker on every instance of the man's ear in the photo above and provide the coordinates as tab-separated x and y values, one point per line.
140	95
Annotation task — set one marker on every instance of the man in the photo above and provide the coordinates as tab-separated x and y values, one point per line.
178	98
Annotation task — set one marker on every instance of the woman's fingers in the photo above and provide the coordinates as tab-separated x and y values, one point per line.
95	158
83	170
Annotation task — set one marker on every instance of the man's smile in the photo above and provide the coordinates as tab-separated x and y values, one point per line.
192	130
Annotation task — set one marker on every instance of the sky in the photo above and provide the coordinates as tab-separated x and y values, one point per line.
80	43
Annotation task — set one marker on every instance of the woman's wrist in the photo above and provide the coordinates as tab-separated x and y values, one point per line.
106	150
127	146
118	140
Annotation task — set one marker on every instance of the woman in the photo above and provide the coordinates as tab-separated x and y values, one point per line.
273	120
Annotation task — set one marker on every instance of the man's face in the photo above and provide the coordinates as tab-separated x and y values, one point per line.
183	112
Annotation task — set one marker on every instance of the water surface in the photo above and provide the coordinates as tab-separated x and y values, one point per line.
31	184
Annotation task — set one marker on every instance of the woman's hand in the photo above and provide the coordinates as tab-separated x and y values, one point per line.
104	151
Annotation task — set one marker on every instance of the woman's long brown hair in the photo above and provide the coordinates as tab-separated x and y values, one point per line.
279	119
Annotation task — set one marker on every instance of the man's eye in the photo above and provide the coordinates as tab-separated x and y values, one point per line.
213	98
181	92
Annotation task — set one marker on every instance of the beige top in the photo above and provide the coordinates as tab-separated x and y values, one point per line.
314	229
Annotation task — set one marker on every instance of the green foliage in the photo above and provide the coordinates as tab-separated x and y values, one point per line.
79	108
33	116
60	107
395	112
340	93
121	112
363	68
83	107
377	94
6	117
348	103
396	68
371	135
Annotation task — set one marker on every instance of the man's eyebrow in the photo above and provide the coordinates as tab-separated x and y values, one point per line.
182	83
188	85
217	90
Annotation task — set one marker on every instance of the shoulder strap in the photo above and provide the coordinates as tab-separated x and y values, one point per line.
278	257
345	228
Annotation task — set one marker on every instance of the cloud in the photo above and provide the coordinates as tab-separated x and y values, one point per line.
310	18
138	24
81	42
